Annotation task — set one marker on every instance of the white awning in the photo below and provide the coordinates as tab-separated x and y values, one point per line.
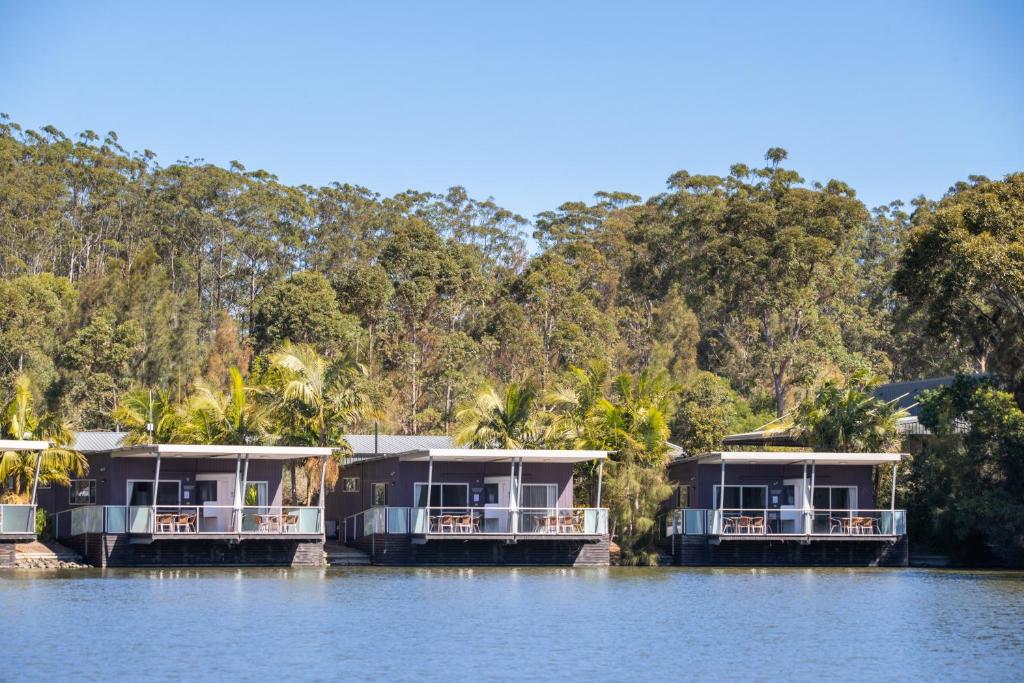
23	445
222	452
500	455
795	458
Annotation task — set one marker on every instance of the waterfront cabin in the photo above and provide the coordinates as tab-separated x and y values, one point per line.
214	505
18	520
468	506
784	508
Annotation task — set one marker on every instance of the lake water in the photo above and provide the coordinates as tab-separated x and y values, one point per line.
511	624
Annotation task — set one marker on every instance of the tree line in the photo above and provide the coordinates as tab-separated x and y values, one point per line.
746	293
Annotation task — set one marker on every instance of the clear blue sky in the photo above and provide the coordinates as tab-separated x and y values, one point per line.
534	103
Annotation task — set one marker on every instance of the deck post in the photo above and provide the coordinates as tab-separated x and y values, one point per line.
511	495
323	494
236	503
807	503
892	499
35	479
721	502
814	465
600	475
245	487
430	486
156	494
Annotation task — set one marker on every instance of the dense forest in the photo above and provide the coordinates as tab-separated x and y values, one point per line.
744	293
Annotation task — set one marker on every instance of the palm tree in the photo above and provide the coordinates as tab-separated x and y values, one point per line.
509	419
848	417
139	409
628	417
318	402
20	421
213	416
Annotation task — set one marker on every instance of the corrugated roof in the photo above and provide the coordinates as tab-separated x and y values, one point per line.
907	392
98	442
363	444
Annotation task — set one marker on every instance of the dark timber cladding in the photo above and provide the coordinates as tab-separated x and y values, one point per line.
498	507
216	505
785	508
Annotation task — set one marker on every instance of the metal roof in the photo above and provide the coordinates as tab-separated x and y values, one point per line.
906	393
172	450
390	444
501	455
792	458
98	442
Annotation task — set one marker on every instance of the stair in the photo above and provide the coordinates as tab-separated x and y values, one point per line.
339	555
46	555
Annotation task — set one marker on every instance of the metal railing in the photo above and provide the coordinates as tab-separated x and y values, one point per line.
479	521
188	520
786	522
17	519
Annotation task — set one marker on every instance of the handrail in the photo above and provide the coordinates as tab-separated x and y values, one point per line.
463	520
796	522
17	518
189	520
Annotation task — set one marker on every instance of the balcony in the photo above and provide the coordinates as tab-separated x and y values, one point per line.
783	524
17	522
479	523
191	521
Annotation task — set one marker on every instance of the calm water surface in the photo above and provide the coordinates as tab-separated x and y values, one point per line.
511	624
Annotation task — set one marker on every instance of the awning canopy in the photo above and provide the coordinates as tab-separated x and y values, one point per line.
500	455
23	445
793	458
220	452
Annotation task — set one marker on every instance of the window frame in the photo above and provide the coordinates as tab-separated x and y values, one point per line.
345	487
715	495
93	491
374	487
415	497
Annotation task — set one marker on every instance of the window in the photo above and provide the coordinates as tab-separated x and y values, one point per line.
442	495
539	496
742	497
380	493
350	485
684	496
82	492
206	490
255	494
490	494
835	497
140	493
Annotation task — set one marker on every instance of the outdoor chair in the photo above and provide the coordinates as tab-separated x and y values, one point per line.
290	523
757	525
165	523
464	524
446	523
867	525
184	524
565	525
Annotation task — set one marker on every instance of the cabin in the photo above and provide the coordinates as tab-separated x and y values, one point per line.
185	505
413	504
18	520
799	508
